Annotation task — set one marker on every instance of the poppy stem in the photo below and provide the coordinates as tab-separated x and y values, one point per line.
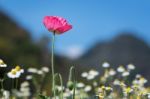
52	65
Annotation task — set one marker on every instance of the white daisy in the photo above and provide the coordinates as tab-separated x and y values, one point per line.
135	82
95	84
93	72
2	64
90	77
40	72
105	65
6	94
80	85
15	72
131	67
120	69
19	69
142	81
109	88
45	69
116	82
87	88
148	95
25	84
125	74
32	70
29	77
60	88
138	76
112	72
84	74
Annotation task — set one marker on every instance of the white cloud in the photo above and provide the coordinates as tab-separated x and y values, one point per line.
74	52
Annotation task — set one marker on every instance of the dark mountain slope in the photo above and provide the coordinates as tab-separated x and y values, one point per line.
122	50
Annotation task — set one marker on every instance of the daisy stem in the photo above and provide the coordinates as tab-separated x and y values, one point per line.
2	87
72	77
74	83
16	83
52	65
61	82
12	84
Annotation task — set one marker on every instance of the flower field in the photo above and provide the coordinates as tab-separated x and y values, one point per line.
112	84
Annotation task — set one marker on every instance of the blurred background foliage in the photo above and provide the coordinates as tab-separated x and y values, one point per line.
16	45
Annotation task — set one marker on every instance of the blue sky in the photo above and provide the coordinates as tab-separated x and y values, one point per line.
92	20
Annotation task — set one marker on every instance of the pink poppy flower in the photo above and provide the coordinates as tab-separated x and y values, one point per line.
56	24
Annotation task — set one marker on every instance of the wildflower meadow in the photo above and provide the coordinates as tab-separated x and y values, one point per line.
112	83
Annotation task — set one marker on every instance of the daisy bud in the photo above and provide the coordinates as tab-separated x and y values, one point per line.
70	85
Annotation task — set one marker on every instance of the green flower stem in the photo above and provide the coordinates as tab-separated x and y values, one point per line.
36	86
61	82
16	83
2	87
12	84
52	66
72	77
71	73
74	83
42	83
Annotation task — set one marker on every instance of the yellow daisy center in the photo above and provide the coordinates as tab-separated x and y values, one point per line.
128	90
103	87
13	71
17	68
108	88
1	62
101	95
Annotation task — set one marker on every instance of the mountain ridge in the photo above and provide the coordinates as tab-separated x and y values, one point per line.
122	50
